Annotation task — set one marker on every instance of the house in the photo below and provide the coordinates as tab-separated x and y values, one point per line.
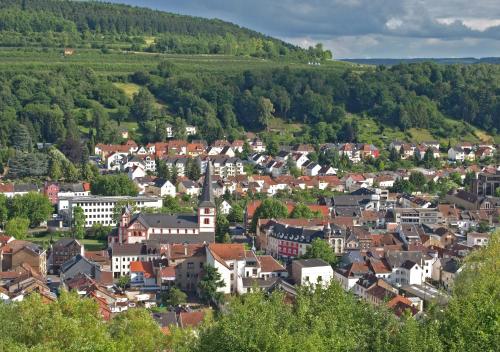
136	171
189	187
450	268
18	252
190	130
225	207
312	272
79	265
349	275
312	169
241	269
469	201
484	152
62	251
486	183
257	145
477	239
230	261
162	188
186	264
50	190
142	274
124	254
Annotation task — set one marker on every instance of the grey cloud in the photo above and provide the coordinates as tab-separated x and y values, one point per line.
391	22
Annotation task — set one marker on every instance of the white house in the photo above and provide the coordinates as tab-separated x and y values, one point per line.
456	154
136	171
190	130
312	169
142	274
225	207
312	272
409	273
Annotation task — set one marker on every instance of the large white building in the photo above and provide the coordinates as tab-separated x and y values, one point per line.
101	210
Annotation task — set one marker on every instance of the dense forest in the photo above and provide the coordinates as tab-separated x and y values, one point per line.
79	24
75	108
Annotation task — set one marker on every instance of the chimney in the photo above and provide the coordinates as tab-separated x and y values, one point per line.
185	248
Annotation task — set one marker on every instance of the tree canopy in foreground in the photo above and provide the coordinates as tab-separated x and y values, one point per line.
327	319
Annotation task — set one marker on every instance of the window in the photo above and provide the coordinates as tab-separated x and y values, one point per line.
206	221
190	265
207	210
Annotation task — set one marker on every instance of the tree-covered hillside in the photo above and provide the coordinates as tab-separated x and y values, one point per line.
80	24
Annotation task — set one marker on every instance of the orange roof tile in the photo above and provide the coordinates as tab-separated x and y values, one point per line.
191	319
268	264
144	267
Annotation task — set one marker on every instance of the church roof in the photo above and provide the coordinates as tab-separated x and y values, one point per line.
207	195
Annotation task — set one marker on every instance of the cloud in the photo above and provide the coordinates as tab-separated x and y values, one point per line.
361	28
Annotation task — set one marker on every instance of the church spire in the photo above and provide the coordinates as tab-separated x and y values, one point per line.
207	195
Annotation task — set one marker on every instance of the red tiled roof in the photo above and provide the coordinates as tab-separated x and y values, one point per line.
6	187
191	319
268	264
144	267
228	251
168	271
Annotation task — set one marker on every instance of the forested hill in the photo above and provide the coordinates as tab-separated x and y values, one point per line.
80	23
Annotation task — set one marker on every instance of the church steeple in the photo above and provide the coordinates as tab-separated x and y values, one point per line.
207	212
207	194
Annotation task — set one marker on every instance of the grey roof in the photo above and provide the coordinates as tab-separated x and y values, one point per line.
129	249
25	187
165	319
71	187
167	220
450	265
408	264
179	238
310	263
397	258
350	200
207	195
260	282
79	264
297	234
64	242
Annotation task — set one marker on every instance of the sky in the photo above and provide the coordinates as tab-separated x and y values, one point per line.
361	28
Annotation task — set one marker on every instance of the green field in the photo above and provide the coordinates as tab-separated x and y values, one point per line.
120	62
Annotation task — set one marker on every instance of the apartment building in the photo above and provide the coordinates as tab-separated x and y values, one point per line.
101	210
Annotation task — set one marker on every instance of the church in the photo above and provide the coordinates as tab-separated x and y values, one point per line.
166	228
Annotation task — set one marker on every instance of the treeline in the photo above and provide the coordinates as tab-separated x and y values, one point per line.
125	24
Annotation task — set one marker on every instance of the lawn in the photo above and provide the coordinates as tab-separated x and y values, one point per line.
47	238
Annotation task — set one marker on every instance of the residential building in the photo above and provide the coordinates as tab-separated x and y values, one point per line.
62	251
312	272
101	210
